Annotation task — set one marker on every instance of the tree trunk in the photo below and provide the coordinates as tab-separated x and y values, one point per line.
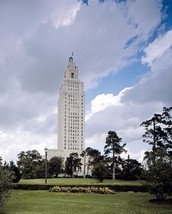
72	169
84	166
113	164
113	171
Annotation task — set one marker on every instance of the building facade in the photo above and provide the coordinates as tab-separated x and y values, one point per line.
71	114
71	111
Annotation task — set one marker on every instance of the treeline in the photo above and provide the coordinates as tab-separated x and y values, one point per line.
156	171
31	165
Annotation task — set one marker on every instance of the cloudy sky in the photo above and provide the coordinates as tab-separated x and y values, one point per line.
123	50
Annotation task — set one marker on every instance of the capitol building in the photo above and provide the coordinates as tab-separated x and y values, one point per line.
71	114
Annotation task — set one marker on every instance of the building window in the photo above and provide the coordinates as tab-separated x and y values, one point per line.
72	75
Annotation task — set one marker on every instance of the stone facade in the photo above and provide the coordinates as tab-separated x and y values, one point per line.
71	114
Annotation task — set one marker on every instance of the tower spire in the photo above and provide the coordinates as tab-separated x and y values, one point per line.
71	57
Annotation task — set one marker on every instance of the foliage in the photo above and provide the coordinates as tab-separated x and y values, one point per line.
28	163
121	187
99	171
131	169
158	173
91	157
16	172
158	134
93	189
6	177
55	166
159	179
73	164
112	145
40	169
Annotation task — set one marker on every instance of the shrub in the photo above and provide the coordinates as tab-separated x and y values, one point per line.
93	189
5	185
159	179
83	188
99	171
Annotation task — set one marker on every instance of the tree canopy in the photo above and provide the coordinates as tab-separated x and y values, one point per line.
112	146
158	134
28	163
73	164
6	177
55	166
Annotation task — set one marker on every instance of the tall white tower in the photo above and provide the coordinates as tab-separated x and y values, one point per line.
71	114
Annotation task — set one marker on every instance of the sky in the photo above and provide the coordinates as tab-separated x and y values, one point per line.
123	50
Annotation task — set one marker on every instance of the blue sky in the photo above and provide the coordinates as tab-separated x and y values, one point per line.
123	50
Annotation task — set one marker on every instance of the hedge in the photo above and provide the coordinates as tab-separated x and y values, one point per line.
116	188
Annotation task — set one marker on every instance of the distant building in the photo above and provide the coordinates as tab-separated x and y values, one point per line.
71	114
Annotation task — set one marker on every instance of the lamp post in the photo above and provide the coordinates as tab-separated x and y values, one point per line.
46	150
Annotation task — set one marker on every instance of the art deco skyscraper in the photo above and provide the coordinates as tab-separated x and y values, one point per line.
71	115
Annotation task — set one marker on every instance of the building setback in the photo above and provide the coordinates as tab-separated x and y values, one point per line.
71	111
71	114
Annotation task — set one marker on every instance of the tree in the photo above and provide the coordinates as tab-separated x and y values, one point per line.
13	168
131	169
91	157
28	163
99	171
73	164
159	160
40	169
158	178
112	145
6	177
158	134
55	166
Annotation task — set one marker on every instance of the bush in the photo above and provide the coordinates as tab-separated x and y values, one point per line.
159	179
5	185
89	189
17	174
99	171
82	188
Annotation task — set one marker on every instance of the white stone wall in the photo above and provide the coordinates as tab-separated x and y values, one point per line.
71	114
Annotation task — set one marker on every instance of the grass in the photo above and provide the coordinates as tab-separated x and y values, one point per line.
44	202
77	181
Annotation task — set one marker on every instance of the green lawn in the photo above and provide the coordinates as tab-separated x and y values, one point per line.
77	181
44	202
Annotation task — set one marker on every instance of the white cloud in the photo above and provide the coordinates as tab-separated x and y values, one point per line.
19	140
144	15
155	86
65	14
96	141
103	101
157	48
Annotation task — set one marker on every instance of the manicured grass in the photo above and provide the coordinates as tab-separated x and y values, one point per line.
77	181
44	202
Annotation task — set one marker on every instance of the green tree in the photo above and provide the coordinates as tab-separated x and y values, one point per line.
99	171
91	157
40	169
112	145
158	134
28	163
55	166
158	177
158	173
73	164
6	177
131	169
13	168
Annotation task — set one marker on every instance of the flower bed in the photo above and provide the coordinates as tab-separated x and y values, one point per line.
89	189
